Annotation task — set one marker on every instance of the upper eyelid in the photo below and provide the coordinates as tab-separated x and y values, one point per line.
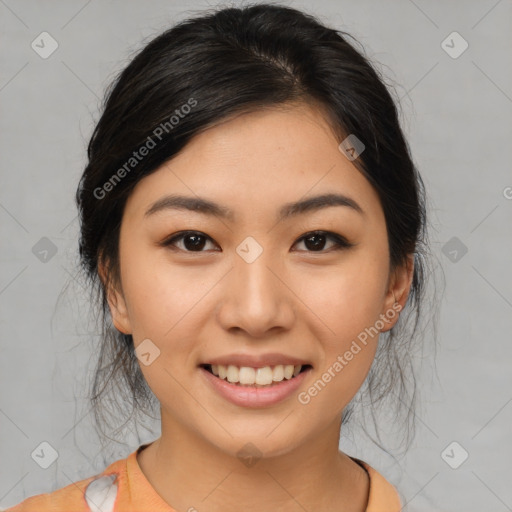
172	239
339	240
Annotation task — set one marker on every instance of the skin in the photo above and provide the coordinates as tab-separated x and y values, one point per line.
194	305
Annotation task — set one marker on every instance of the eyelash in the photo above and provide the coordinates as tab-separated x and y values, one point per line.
340	242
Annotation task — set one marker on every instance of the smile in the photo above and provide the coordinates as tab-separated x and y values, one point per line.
246	391
255	377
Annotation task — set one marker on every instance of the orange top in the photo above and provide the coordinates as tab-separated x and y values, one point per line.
123	487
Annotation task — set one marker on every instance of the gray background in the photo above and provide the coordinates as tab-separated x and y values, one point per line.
457	116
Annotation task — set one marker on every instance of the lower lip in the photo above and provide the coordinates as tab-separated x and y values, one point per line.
247	396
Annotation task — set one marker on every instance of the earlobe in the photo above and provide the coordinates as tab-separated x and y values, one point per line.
398	292
116	303
119	312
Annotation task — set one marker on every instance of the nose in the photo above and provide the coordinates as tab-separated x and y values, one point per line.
256	298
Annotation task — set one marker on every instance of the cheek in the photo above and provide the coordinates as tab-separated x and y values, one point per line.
349	306
157	293
348	298
348	302
164	306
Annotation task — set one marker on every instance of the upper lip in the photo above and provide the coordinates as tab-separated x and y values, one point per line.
257	361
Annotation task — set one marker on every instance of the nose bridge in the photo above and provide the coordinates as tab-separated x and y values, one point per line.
255	284
256	300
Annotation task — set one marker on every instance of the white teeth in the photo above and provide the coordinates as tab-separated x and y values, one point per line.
278	373
233	373
248	376
264	376
288	371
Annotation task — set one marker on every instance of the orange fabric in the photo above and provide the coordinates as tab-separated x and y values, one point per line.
135	494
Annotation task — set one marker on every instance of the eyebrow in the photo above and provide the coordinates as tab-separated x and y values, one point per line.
207	207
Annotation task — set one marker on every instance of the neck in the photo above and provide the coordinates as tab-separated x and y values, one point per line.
190	473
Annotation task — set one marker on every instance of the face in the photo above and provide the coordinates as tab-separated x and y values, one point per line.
257	277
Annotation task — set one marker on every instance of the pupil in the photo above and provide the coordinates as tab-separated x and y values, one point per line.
313	245
197	244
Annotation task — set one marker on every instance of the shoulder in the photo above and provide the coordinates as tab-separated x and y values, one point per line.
95	493
383	496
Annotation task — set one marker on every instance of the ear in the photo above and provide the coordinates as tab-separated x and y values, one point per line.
398	290
116	302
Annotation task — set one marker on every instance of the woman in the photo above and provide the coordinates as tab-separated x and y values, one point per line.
254	223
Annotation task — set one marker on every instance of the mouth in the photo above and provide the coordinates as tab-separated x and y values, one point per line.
249	377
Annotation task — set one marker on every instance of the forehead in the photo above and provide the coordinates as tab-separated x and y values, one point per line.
261	159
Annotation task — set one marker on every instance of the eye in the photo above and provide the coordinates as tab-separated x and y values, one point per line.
315	241
193	241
